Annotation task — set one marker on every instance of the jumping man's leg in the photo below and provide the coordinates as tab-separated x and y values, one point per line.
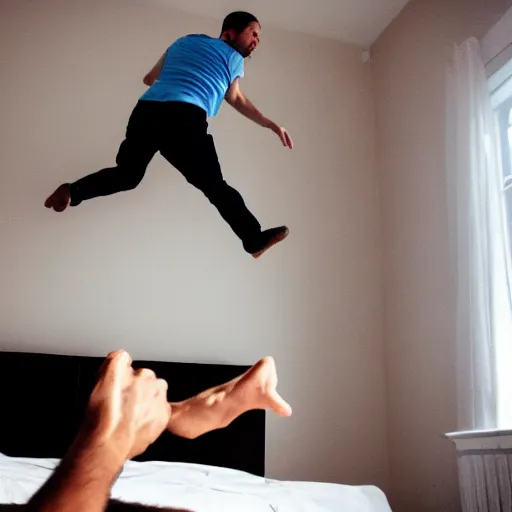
133	157
191	150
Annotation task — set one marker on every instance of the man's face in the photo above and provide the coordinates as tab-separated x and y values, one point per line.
247	41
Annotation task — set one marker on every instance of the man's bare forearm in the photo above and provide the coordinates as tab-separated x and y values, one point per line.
245	107
81	483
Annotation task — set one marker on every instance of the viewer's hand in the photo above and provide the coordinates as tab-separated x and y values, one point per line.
127	410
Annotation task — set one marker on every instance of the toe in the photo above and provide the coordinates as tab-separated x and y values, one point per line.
281	407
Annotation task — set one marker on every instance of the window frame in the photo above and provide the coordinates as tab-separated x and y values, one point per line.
501	102
500	93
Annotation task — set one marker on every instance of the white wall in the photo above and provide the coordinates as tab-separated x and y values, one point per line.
419	328
156	270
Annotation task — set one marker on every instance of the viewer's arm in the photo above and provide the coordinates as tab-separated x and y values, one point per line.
127	411
81	483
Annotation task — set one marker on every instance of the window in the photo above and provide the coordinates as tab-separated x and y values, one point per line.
500	85
504	124
501	98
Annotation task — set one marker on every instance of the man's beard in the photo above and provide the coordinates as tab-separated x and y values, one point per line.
243	52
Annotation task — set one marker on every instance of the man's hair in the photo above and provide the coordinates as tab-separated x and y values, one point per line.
238	21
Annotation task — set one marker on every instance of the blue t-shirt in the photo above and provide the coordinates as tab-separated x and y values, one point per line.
197	69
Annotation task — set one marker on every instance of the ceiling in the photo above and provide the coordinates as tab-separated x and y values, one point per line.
358	22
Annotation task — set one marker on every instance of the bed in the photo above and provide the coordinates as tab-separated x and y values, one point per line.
43	399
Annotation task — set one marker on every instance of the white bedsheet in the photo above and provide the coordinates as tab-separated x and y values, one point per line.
200	488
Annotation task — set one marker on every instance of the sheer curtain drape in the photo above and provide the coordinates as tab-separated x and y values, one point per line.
477	234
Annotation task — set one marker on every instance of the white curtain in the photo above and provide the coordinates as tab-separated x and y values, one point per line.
476	214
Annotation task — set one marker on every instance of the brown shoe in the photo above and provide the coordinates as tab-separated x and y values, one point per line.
60	199
269	238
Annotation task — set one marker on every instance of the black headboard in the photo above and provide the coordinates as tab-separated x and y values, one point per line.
43	398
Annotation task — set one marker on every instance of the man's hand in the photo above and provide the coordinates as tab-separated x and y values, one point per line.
244	106
283	135
127	410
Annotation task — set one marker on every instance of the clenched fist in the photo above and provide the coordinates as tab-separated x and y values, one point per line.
128	409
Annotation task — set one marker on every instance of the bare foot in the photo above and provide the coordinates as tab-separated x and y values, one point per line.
217	407
60	199
257	388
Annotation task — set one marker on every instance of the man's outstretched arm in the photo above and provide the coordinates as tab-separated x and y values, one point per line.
244	106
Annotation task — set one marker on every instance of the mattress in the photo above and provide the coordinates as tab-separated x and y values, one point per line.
200	488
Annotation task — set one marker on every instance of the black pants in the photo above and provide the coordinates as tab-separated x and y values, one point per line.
179	131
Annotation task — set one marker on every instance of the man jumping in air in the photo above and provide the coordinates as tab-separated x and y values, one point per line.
186	86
